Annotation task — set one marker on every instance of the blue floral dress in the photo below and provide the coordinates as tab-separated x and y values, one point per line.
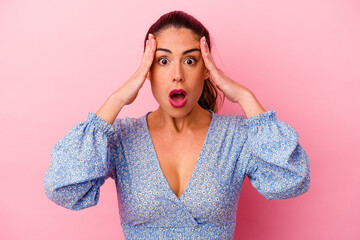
261	147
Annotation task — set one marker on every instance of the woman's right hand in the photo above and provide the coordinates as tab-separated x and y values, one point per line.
129	90
127	93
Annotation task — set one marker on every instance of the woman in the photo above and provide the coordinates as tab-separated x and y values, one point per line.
179	169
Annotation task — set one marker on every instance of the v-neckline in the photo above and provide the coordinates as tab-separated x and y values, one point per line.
198	162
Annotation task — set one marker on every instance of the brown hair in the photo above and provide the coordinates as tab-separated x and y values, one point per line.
180	19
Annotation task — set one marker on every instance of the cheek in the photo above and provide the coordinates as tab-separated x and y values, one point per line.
201	87
158	89
197	90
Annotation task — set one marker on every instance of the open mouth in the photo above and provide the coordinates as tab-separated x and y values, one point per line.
178	98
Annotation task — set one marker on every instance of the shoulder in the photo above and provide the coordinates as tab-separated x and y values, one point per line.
230	123
130	129
229	118
228	127
128	123
264	117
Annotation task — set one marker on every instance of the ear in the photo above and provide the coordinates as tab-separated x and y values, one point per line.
207	73
148	76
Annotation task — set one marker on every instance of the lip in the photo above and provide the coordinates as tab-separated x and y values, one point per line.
178	104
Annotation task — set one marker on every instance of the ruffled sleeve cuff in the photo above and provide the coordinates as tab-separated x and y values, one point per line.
263	118
100	124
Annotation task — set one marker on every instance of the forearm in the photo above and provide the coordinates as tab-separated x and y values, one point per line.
111	108
76	173
249	104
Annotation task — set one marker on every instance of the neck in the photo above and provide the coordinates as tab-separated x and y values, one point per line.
191	120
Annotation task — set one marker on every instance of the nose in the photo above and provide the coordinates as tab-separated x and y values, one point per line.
178	75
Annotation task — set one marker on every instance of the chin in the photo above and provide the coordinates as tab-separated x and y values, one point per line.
178	112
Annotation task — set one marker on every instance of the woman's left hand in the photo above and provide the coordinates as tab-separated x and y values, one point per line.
231	89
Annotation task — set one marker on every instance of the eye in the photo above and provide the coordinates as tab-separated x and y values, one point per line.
193	60
161	60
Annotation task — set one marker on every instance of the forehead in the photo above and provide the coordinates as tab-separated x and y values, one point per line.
173	39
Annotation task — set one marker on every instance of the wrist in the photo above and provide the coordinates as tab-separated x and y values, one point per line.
243	95
117	99
250	105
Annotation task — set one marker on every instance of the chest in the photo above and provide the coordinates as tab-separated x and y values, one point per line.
177	155
209	193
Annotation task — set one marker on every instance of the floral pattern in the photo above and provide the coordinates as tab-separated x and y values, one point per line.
261	147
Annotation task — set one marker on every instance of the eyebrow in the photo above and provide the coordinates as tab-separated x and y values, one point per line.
185	52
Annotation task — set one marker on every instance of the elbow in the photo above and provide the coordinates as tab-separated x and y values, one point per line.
69	200
299	186
303	179
73	197
304	186
58	196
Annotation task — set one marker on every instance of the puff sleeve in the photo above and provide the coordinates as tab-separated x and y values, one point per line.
278	166
80	163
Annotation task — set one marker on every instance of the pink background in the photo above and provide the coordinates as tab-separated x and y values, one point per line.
60	60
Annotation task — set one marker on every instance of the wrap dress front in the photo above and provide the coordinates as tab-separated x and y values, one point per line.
261	147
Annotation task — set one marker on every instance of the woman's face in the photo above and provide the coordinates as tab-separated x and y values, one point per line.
178	71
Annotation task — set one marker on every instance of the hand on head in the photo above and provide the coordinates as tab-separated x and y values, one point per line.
129	90
231	89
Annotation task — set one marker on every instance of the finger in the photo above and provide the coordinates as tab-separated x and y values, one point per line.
208	60
215	75
151	54
147	49
148	54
